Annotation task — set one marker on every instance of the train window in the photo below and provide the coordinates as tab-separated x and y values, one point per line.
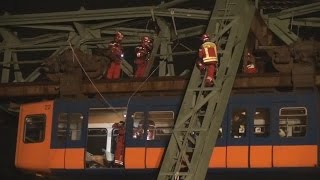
238	123
293	121
97	140
75	125
160	124
138	121
261	123
62	127
34	129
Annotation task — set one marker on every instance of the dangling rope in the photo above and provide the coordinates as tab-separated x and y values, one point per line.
134	93
76	57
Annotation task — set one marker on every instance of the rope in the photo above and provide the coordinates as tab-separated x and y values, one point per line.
134	93
105	101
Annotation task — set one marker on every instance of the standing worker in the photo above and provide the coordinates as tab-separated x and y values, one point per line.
208	59
142	56
115	53
250	67
120	143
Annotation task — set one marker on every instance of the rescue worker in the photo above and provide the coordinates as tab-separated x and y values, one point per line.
142	56
120	143
250	67
115	53
151	130
208	59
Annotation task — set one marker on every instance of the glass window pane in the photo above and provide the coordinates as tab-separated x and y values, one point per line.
293	122
261	123
239	123
62	127
34	128
138	121
159	124
75	126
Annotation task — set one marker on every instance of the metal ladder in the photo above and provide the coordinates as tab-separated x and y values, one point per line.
197	126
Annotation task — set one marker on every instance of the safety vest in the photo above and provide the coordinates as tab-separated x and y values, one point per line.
208	52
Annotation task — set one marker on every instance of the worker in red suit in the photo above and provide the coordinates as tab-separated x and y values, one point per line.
208	59
250	67
120	143
115	53
142	56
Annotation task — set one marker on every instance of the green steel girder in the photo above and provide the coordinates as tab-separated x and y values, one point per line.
280	22
171	3
190	147
296	11
104	14
281	29
311	22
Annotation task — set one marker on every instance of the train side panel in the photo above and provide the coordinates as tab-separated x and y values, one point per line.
34	136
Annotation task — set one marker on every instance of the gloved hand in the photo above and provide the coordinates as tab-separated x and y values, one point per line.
200	66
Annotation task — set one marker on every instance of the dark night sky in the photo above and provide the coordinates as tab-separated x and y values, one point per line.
40	6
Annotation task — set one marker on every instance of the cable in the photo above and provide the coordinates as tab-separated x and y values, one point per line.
134	93
75	56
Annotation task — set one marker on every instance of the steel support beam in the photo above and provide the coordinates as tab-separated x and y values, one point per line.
165	47
6	66
281	29
103	14
311	22
279	22
194	134
164	84
171	3
16	68
297	11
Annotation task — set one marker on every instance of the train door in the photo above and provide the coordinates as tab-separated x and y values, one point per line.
105	142
238	136
249	141
33	138
219	153
261	136
158	124
70	119
136	136
295	143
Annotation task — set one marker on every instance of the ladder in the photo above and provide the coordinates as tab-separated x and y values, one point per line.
198	122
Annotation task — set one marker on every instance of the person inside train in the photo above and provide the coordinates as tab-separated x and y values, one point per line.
119	143
115	53
238	129
208	59
139	131
151	130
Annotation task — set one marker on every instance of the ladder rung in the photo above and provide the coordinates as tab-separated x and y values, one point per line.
191	129
173	174
203	89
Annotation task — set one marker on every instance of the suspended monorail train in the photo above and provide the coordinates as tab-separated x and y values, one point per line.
279	131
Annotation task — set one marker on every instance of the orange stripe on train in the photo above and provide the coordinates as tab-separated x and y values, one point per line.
295	156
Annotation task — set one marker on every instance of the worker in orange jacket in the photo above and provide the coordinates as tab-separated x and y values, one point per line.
120	143
142	56
115	53
208	59
250	67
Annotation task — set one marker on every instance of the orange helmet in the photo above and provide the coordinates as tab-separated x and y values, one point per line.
205	37
118	36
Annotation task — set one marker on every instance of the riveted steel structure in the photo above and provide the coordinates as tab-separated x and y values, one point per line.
198	122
